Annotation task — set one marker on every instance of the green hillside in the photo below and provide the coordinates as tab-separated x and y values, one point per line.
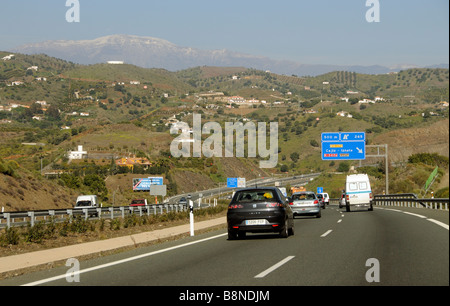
124	110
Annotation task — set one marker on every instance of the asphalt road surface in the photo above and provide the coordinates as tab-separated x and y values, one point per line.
384	247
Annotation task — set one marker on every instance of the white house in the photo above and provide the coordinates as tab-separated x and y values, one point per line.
253	101
80	154
365	101
8	57
236	99
344	114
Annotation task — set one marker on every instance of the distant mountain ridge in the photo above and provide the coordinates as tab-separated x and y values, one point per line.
150	52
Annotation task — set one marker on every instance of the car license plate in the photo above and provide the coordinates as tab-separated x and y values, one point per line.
255	222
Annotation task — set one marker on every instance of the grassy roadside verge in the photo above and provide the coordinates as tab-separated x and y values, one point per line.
53	235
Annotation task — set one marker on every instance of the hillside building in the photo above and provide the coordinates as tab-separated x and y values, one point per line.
130	162
80	154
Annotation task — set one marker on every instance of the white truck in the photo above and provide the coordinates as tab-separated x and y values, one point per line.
358	192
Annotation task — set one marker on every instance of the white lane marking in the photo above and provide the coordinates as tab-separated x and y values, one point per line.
326	234
339	221
415	215
396	210
114	263
274	267
439	223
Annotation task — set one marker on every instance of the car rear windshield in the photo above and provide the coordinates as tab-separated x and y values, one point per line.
303	196
83	204
358	186
255	196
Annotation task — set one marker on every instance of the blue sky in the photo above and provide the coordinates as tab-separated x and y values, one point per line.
314	31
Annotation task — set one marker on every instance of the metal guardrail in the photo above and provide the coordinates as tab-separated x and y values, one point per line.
8	219
410	200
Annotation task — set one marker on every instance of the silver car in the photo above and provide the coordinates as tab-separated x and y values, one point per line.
305	203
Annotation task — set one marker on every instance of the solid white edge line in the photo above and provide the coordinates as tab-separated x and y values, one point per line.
415	215
439	223
446	226
114	263
274	267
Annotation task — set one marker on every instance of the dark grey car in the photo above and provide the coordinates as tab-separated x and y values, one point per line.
259	210
183	201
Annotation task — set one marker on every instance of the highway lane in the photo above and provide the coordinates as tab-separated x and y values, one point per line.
332	250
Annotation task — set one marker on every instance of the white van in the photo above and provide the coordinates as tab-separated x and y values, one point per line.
88	202
358	192
326	198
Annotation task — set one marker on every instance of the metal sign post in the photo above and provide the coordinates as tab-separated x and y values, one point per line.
380	154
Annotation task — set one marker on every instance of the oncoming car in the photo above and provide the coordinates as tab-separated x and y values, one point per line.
259	210
305	203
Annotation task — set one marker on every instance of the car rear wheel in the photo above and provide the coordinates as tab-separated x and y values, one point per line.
291	231
285	232
232	235
242	235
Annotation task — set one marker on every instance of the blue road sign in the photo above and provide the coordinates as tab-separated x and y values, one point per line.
319	189
232	182
344	146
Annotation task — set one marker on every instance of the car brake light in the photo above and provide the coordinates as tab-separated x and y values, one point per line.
316	202
274	205
291	203
235	206
370	195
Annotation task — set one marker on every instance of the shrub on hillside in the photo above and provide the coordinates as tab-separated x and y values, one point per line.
8	168
432	159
